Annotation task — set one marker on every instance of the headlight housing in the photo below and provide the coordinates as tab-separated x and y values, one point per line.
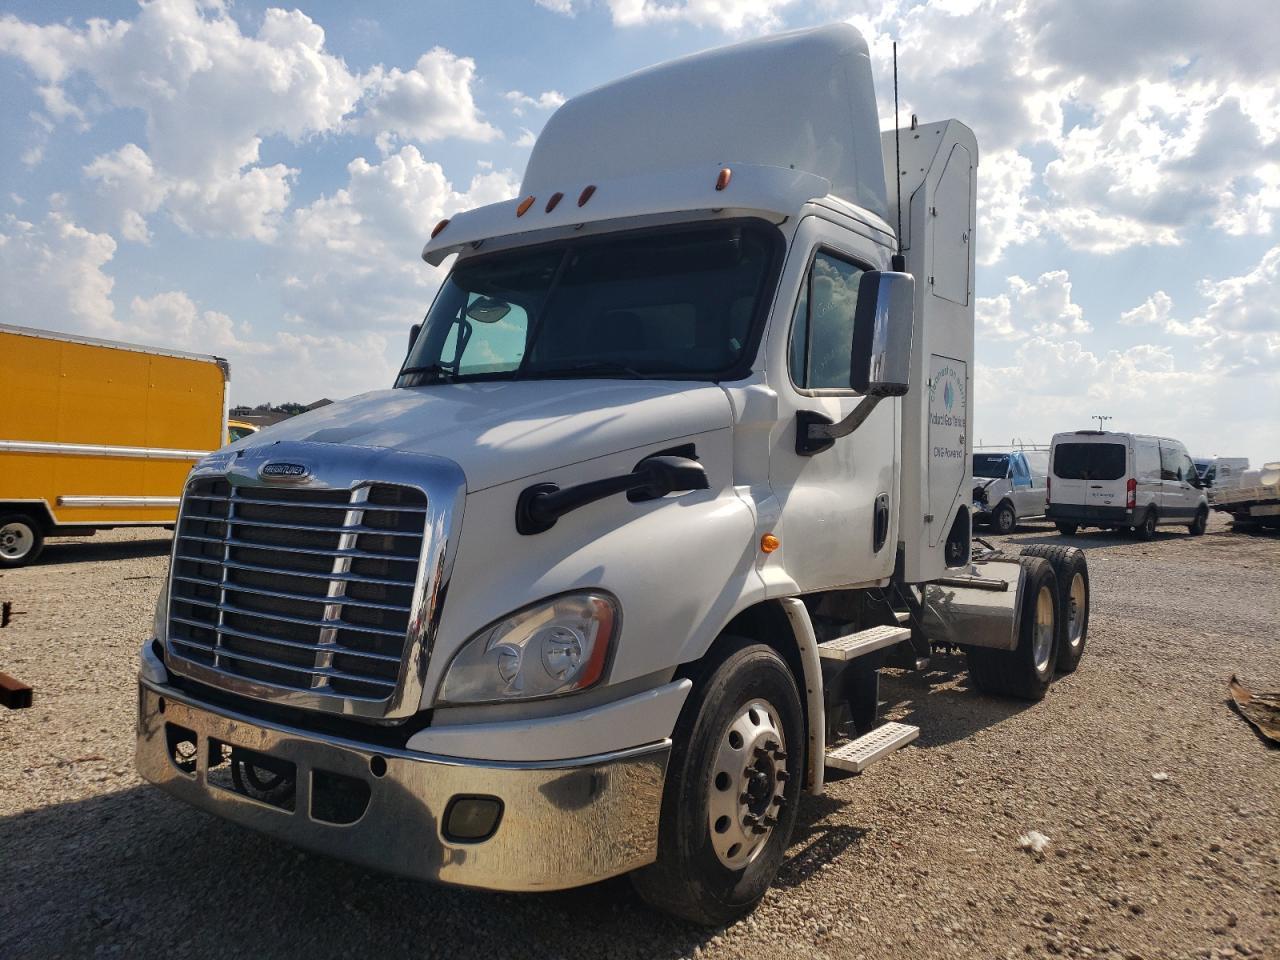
554	647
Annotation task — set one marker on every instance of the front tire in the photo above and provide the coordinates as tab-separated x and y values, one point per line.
1067	529
725	823
1197	526
21	540
1025	672
1004	520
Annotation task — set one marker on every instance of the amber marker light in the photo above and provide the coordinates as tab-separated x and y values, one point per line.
438	227
555	199
586	194
722	181
769	543
525	204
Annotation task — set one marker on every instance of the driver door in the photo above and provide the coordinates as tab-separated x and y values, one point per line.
830	500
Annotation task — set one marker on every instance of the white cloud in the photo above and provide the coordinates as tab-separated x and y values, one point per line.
1005	217
1042	307
53	275
520	102
731	16
353	259
211	95
429	102
1155	310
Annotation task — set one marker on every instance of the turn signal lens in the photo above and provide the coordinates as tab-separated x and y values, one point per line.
555	199
769	543
438	227
586	194
525	204
722	181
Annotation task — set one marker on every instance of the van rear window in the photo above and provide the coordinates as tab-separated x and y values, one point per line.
1089	461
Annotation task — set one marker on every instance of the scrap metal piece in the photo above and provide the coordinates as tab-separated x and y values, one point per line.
14	694
1262	710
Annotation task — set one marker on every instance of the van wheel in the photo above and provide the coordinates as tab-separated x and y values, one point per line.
1004	520
1146	530
21	540
732	791
1026	671
1071	567
1201	521
1067	529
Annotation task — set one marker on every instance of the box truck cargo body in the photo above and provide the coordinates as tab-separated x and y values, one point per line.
677	461
96	434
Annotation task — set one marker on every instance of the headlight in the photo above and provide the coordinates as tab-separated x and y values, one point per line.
554	647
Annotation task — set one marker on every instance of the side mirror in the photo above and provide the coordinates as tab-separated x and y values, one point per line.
413	336
880	365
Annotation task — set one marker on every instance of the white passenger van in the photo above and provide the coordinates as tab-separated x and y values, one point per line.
1123	481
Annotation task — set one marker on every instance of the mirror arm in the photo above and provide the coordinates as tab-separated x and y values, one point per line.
815	432
541	505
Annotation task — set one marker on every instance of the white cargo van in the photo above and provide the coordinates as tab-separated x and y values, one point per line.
1123	481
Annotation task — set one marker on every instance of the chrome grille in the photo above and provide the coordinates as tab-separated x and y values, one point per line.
301	589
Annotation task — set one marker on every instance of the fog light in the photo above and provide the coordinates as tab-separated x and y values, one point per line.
472	819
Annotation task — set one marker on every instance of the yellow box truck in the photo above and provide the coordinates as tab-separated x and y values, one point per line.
96	434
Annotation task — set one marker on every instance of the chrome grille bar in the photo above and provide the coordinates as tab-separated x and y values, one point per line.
243	612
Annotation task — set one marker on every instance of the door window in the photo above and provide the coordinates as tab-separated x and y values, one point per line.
822	329
1147	455
1021	475
1169	462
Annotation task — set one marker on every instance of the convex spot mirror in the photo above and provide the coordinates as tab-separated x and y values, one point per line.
880	363
488	310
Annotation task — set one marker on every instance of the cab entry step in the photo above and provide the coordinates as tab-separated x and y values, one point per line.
856	755
863	642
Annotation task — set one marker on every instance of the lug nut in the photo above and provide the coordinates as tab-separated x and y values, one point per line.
783	776
744	798
779	755
769	822
758	829
749	820
779	801
771	744
762	753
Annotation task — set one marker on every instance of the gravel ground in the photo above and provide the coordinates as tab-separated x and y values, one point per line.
1161	805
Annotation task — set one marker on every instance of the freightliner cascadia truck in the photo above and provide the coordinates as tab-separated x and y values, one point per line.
677	462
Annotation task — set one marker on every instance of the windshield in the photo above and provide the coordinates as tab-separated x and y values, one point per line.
679	304
1089	461
991	465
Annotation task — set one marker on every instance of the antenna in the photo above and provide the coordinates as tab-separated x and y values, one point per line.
899	262
1099	419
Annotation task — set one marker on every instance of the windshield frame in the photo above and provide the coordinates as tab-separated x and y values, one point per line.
768	231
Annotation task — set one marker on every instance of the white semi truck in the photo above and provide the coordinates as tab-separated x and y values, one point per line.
677	462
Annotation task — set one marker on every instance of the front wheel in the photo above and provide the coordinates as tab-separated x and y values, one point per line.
1026	671
21	540
1004	520
1197	526
732	791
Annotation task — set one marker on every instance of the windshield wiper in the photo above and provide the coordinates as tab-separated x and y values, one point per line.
603	367
434	369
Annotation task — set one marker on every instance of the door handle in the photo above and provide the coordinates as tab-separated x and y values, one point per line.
1095	486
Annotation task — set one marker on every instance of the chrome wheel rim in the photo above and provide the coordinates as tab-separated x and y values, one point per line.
16	541
1075	614
748	779
1042	631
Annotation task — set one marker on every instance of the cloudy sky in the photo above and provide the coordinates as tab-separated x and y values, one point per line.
257	181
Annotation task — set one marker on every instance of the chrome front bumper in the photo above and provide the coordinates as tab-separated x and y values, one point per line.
564	824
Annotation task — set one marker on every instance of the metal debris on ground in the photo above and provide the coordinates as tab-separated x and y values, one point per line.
1262	710
14	694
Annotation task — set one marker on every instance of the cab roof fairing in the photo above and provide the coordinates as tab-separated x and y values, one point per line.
774	193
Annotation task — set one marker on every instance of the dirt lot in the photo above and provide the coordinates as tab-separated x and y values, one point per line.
1161	805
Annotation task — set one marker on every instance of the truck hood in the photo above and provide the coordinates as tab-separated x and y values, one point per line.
502	431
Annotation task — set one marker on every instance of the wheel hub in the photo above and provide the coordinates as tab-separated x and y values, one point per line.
1075	617
15	541
748	784
1042	635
